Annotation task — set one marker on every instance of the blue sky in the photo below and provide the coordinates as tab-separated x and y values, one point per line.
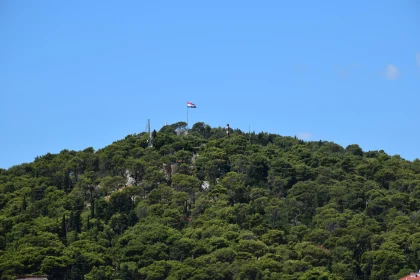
75	74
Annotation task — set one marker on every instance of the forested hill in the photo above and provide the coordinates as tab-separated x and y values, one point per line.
201	205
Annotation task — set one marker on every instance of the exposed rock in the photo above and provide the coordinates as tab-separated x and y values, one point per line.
130	180
205	185
174	168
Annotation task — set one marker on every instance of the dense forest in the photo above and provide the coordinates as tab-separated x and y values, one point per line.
201	205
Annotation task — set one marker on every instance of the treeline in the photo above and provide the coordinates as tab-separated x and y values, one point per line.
201	205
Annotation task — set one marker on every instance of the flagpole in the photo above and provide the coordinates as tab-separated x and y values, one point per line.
187	116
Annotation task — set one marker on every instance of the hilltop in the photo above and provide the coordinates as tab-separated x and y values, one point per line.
201	205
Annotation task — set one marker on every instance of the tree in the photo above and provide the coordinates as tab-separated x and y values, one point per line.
186	183
236	190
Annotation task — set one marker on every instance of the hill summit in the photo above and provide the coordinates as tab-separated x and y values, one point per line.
198	204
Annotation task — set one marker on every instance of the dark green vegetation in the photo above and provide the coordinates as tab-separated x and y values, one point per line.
276	208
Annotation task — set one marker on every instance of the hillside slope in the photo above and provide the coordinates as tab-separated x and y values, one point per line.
204	206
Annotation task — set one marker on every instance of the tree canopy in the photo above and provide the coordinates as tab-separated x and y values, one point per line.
201	205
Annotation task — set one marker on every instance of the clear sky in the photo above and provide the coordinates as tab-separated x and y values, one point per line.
75	74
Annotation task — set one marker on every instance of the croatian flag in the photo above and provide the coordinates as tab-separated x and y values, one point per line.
191	105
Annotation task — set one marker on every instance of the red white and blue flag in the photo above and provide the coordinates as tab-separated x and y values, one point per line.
191	105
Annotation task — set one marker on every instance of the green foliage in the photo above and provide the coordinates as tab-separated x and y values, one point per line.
201	205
